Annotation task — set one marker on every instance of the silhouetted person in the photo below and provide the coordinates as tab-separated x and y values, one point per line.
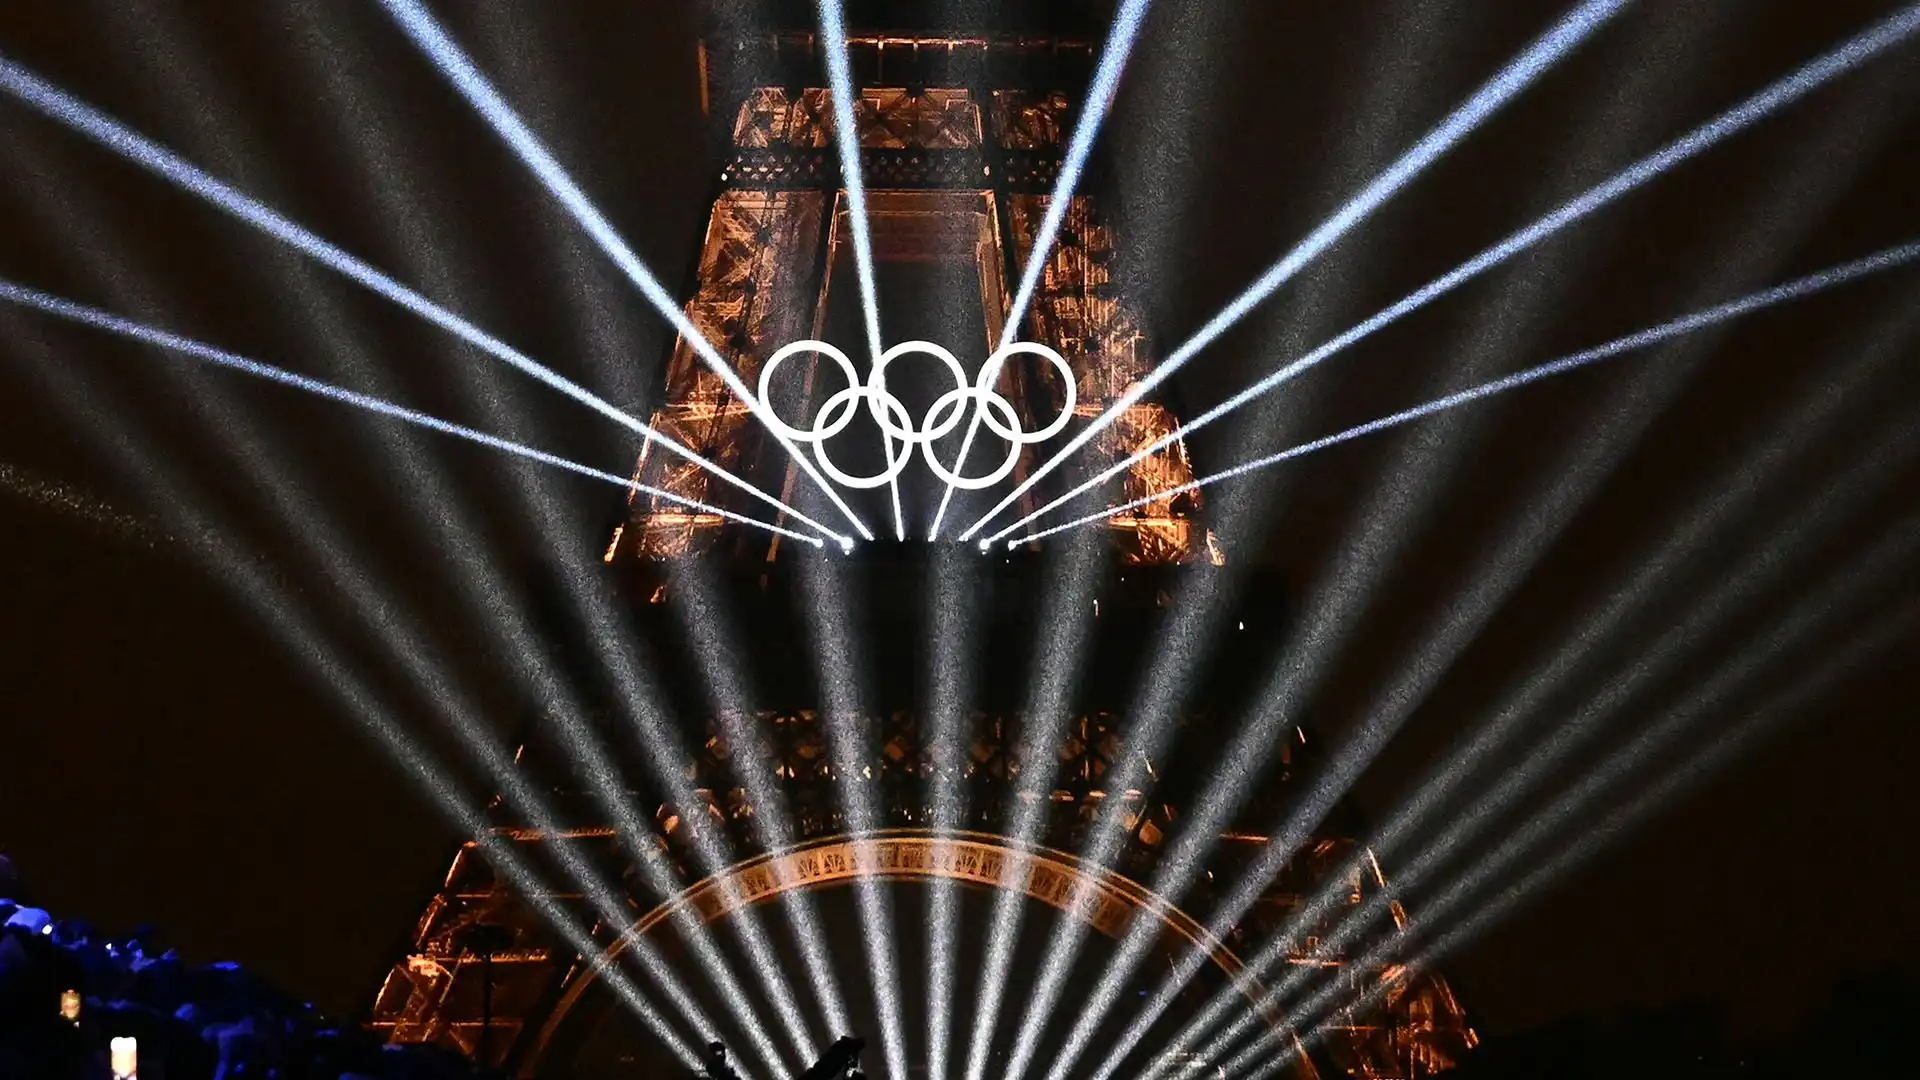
717	1067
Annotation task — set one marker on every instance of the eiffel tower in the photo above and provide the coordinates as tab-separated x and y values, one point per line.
961	134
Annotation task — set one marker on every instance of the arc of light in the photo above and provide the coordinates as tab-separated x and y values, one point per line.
281	611
846	140
67	110
1868	44
1564	37
1807	617
472	85
102	320
1793	290
1100	94
1735	495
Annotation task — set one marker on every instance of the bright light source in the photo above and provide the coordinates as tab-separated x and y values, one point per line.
126	142
472	85
70	1006
124	1057
1825	279
1568	33
111	323
1782	93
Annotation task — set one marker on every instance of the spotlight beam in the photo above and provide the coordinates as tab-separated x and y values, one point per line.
1154	709
326	550
846	139
1837	501
69	111
950	635
460	71
1855	52
281	611
313	530
843	708
1623	820
102	320
729	700
1064	628
1344	593
464	718
1103	843
1093	110
1793	290
1738	495
1564	37
488	594
1814	614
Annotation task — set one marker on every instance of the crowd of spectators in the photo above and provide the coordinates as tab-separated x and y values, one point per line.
189	1021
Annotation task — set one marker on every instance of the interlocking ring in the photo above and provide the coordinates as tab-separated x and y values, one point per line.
990	409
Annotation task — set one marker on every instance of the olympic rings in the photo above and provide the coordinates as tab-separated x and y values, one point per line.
990	408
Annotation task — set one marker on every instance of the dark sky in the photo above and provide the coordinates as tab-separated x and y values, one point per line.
165	762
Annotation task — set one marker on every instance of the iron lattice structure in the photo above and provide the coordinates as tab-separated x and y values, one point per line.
960	140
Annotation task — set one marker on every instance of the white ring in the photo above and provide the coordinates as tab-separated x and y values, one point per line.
990	408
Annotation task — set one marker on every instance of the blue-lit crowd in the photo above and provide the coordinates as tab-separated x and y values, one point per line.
67	992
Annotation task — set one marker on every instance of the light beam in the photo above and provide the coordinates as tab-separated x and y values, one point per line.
846	140
1063	628
1890	32
117	137
1737	494
1813	283
1093	110
950	638
1567	34
432	40
843	707
730	701
284	616
102	320
1814	614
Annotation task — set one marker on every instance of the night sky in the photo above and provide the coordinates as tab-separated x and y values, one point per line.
165	761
